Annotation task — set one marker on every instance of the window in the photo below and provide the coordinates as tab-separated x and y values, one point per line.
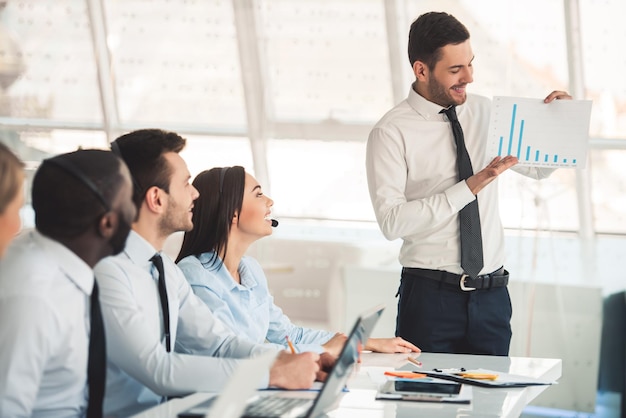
318	75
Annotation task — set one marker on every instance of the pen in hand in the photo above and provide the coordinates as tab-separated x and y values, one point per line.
290	344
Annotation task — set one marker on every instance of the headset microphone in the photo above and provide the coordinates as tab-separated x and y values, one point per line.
274	223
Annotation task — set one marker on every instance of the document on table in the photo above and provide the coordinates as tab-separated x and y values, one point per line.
502	380
540	134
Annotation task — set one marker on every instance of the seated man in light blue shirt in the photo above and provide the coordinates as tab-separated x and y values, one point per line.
162	340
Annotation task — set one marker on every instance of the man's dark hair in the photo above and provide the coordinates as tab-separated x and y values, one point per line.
142	151
432	31
65	205
221	197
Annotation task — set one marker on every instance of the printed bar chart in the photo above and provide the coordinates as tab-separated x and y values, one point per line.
539	134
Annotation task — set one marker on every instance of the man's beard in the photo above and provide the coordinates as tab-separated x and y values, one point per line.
440	94
118	240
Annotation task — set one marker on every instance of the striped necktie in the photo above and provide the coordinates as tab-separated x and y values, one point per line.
469	217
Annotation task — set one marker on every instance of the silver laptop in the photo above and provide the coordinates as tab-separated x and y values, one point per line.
229	402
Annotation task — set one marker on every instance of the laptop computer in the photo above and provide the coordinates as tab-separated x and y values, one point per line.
229	401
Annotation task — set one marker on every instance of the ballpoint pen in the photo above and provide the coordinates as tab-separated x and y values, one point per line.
290	344
453	370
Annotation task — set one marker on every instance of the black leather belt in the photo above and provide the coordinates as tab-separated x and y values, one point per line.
498	278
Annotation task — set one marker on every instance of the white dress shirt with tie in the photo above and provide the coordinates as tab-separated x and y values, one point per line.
45	292
140	372
413	182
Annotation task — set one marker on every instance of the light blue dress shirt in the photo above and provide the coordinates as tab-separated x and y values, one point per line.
247	308
140	372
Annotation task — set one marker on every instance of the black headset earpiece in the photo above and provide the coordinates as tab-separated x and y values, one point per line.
77	173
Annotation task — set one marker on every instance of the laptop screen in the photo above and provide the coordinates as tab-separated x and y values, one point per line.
344	364
326	398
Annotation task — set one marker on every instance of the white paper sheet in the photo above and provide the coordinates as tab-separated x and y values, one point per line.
542	135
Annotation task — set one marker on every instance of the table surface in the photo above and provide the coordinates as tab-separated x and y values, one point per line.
360	402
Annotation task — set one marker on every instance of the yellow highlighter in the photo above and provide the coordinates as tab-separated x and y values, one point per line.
478	376
405	375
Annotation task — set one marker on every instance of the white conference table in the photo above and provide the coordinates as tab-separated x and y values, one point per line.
359	400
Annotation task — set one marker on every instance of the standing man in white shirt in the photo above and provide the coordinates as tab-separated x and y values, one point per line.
52	357
156	348
420	185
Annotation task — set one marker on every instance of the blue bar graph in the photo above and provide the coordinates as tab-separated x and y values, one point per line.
512	128
516	141
519	144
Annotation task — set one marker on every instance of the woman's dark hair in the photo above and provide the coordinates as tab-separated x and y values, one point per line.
221	197
432	31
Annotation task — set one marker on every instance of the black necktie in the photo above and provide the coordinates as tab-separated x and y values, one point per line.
165	308
96	365
469	218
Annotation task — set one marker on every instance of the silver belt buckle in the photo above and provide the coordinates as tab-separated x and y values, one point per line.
462	284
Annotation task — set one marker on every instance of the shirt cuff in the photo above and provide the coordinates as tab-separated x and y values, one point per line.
265	382
316	348
459	195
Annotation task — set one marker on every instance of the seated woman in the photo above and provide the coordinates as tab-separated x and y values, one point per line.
231	213
11	196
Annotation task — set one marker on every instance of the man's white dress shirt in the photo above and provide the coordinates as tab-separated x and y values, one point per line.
413	182
45	292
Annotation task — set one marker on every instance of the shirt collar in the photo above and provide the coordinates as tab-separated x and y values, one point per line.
247	278
138	249
72	265
425	108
